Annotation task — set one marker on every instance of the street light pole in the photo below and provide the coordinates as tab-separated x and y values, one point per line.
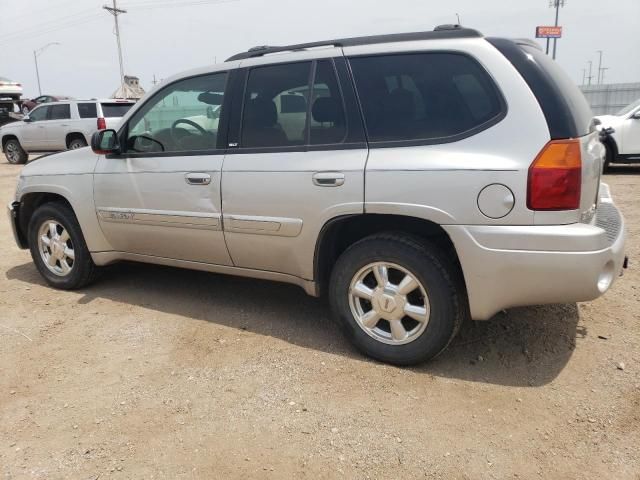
556	4
600	69
35	60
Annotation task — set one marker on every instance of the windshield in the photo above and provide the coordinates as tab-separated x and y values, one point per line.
629	108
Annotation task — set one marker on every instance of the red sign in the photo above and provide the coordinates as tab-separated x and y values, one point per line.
548	32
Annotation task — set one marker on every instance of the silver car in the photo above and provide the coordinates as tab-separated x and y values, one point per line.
63	125
416	180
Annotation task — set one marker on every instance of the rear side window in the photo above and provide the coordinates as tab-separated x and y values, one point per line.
60	112
275	106
87	110
428	97
111	110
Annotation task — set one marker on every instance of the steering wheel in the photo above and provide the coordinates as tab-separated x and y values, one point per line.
176	138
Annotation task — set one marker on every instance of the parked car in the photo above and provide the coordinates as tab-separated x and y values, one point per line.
10	89
432	177
58	126
623	143
8	109
28	105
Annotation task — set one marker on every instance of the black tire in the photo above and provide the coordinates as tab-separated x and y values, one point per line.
431	267
608	158
14	152
77	142
83	271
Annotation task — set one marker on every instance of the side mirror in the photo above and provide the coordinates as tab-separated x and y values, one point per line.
636	115
104	142
26	119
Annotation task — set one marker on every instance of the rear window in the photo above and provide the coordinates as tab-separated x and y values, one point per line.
87	110
576	102
566	110
110	110
428	97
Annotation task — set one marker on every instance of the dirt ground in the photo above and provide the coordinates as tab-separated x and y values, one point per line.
163	373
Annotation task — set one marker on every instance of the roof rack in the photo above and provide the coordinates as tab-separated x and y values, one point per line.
440	32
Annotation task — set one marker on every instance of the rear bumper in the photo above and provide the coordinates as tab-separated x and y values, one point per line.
13	213
509	266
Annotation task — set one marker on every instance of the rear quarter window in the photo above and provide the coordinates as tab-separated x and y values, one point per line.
425	97
565	108
110	110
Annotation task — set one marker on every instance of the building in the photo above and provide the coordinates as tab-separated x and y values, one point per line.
608	99
130	89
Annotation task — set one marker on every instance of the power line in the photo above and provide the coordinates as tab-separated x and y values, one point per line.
52	26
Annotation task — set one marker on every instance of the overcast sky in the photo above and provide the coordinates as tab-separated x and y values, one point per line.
162	39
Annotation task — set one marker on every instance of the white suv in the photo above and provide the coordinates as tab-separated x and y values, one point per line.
414	179
58	126
623	143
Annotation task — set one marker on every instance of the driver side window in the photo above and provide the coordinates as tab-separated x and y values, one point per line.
182	117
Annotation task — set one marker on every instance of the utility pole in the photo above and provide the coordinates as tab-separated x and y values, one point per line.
590	76
557	4
604	69
599	66
36	53
584	76
115	11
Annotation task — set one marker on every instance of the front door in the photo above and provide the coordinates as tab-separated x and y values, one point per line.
297	164
161	196
34	132
631	135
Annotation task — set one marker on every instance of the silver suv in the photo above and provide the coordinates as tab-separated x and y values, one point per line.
57	126
415	179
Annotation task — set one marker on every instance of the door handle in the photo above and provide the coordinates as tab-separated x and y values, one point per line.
197	178
328	179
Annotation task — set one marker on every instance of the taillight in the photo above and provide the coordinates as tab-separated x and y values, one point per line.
102	123
555	177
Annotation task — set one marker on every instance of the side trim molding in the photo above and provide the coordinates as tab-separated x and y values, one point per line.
162	218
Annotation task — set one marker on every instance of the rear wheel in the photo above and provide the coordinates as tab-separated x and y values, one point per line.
77	142
397	298
58	248
14	152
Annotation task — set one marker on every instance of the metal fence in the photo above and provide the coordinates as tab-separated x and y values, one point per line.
607	99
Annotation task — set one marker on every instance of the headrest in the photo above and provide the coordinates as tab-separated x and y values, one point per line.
262	113
327	109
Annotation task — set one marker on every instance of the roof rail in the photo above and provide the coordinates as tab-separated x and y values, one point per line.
440	32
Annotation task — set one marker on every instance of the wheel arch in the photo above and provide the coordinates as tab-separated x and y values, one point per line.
611	143
30	202
7	137
339	233
73	135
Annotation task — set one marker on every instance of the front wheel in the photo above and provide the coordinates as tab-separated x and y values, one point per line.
608	158
14	152
397	298
58	248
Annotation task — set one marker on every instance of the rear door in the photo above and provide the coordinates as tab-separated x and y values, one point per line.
296	159
58	125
